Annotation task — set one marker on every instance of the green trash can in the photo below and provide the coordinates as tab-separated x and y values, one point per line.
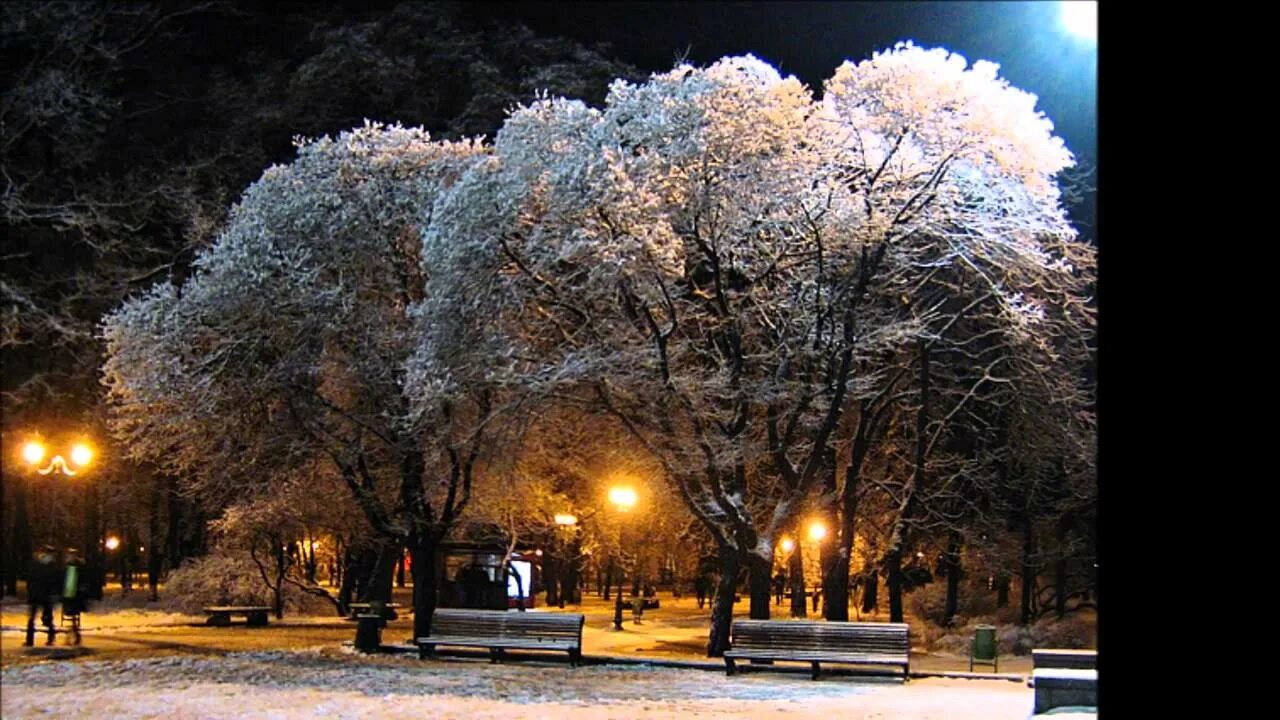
984	647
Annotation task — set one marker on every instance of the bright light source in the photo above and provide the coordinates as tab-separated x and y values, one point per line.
623	497
1081	19
81	454
33	452
113	542
566	519
920	555
817	531
788	545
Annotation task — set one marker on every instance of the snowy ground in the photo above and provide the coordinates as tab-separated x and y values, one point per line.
333	682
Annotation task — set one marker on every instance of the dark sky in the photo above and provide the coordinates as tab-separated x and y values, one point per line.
810	39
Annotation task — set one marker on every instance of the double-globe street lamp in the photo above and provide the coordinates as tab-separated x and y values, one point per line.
622	499
81	455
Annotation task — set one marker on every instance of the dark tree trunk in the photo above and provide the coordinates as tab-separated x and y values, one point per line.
722	604
400	570
893	567
838	594
93	548
760	582
282	566
551	575
953	578
571	590
384	567
1028	570
350	571
795	568
424	586
1060	567
1002	590
870	592
155	558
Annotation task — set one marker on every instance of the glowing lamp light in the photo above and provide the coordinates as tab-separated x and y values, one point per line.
817	531
566	519
113	542
788	545
1081	19
33	452
623	497
81	454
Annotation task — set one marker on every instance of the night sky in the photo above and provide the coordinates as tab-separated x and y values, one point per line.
810	39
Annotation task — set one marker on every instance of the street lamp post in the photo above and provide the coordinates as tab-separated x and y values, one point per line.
623	499
80	454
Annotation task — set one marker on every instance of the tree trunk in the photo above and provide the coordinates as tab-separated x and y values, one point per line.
571	590
93	549
722	605
551	576
282	566
1002	590
870	592
400	570
159	497
953	578
384	567
893	565
1028	572
838	594
760	582
1060	568
424	586
795	569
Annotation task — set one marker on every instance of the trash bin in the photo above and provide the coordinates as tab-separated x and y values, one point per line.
984	647
369	632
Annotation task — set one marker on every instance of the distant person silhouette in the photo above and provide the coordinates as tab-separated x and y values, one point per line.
42	586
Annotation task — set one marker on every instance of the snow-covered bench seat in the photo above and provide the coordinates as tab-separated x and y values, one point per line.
1059	687
850	643
220	615
500	630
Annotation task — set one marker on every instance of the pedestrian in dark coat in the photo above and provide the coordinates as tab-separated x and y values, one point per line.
42	587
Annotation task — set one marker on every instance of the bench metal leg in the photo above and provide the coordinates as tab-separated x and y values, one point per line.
219	620
575	657
728	666
815	669
426	651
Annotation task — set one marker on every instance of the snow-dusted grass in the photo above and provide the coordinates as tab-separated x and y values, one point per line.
325	682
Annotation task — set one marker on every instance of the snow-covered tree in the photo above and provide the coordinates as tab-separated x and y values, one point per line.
288	345
728	266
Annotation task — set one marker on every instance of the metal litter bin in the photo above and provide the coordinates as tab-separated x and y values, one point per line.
983	649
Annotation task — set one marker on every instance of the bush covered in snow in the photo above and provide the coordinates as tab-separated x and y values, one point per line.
1073	631
223	578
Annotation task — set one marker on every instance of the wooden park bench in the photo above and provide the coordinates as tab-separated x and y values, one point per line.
851	643
221	615
1064	678
1071	659
499	630
364	608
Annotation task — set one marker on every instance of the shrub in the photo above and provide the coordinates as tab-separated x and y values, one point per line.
929	603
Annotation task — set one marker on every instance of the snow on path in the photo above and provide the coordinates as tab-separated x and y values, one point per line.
324	683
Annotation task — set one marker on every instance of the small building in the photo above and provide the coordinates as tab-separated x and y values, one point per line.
472	575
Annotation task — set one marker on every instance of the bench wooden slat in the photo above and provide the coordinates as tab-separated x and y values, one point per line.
499	630
817	642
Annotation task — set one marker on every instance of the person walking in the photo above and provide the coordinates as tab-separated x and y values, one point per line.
73	599
779	586
42	584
